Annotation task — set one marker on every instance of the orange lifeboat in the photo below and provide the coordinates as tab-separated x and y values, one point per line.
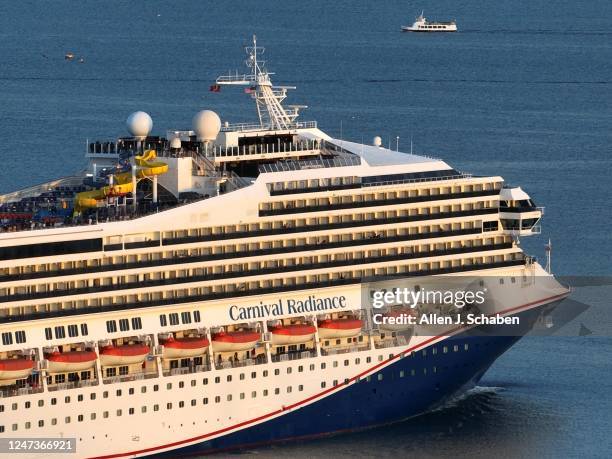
339	328
175	348
233	341
64	362
19	368
391	319
124	355
292	334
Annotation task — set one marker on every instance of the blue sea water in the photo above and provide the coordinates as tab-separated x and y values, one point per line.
524	90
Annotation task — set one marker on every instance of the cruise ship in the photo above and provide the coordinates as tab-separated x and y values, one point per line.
212	288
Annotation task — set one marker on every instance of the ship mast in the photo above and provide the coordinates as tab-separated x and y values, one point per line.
268	98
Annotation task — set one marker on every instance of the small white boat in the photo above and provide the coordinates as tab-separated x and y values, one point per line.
421	24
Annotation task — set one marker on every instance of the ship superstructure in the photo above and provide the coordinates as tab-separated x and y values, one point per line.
204	290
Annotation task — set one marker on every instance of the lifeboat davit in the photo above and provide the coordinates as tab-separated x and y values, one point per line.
234	341
123	355
175	348
339	328
15	368
397	320
64	362
292	334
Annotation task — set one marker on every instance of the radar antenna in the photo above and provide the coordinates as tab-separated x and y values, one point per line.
268	98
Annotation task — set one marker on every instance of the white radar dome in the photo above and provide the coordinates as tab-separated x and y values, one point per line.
377	142
206	125
175	143
139	124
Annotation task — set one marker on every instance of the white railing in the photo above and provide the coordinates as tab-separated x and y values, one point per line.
238	127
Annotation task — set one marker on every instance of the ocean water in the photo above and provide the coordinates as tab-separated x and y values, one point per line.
524	90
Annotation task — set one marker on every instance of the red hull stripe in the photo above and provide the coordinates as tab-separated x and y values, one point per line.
320	394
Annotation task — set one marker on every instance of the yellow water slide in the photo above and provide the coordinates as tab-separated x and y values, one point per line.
122	183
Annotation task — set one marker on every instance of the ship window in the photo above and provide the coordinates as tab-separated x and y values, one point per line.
169	386
276	391
53	421
80	398
276	372
174	320
466	346
73	331
335	364
93	416
323	385
346	363
105	394
455	348
1	429
27	404
217	380
155	387
118	393
401	373
67	419
80	418
380	377
53	401
20	336
163	321
186	317
265	392
445	349
123	370
84	330
14	427
205	401
105	414
217	399
111	326
155	407
136	323
253	374
119	412
335	383
41	423
169	405
323	366
196	316
288	389
368	359
181	404
131	411
289	370
131	391
193	383
124	325
92	396
48	333
7	338
265	373
110	372
205	381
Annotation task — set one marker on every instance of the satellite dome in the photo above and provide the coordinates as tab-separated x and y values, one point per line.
175	143
377	141
206	125
139	124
